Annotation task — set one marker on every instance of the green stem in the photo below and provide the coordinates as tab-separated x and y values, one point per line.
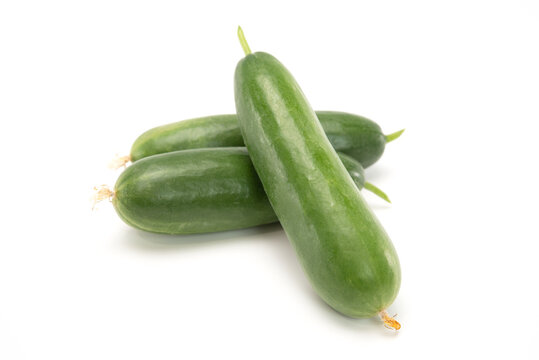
243	42
394	136
376	191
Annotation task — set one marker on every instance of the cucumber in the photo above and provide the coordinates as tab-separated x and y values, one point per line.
344	251
198	191
350	134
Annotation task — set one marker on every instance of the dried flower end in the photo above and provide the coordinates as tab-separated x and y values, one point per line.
389	322
119	161
101	192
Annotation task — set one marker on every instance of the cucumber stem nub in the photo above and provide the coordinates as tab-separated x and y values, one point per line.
243	42
394	136
389	321
376	191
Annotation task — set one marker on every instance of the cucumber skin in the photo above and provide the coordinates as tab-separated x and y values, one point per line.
350	134
354	135
198	191
343	249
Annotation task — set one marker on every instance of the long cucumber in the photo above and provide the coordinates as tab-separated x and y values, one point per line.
344	251
198	191
350	134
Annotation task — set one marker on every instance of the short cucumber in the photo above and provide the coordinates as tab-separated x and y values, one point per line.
350	134
198	191
346	254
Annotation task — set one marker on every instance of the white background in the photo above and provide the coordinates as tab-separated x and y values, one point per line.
80	80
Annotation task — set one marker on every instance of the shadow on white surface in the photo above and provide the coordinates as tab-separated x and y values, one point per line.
276	250
283	256
371	325
146	241
376	173
378	206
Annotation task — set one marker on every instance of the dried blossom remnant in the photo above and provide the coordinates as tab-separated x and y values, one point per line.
101	192
119	161
389	322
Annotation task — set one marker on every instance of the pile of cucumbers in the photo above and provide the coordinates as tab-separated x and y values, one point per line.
275	160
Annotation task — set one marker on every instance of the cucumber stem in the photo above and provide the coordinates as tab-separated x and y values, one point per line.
389	322
243	42
393	136
376	191
119	161
101	192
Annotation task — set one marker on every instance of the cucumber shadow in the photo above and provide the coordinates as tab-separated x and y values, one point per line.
287	267
372	325
377	173
275	246
154	242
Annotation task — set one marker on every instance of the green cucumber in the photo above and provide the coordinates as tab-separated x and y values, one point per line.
350	134
344	251
198	191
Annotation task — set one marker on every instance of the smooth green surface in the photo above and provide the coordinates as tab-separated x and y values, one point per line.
351	134
198	191
342	247
205	132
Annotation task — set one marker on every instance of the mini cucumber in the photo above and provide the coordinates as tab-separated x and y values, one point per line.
344	251
350	134
198	191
